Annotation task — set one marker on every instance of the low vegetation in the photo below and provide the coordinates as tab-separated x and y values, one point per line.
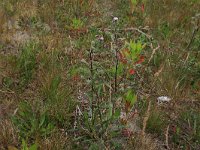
97	74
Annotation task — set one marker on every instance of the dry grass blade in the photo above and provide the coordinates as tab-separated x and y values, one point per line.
167	137
147	114
153	52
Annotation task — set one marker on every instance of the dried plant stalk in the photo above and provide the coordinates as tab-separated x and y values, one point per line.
167	137
146	117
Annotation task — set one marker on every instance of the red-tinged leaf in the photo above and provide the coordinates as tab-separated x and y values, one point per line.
122	58
174	129
141	60
126	52
76	77
124	61
131	71
142	8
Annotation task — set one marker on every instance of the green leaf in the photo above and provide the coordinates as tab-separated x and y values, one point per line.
139	47
34	123
109	115
55	83
130	97
76	23
134	2
24	145
117	114
42	120
33	147
120	69
178	130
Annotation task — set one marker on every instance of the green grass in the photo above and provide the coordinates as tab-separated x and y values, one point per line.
156	123
32	123
26	62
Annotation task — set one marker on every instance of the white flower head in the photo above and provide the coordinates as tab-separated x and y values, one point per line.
101	38
115	19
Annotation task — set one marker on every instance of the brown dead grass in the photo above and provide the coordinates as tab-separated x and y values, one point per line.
8	134
144	143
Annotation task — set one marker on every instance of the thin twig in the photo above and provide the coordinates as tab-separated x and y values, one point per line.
131	29
167	137
192	38
147	114
159	71
153	52
10	92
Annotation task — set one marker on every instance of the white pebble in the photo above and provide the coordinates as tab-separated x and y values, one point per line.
162	99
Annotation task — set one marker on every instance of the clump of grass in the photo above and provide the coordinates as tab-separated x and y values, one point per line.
26	62
191	119
76	23
25	146
7	82
156	122
51	89
76	9
8	6
31	122
57	100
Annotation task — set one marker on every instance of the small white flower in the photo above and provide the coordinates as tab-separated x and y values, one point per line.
101	38
122	115
115	19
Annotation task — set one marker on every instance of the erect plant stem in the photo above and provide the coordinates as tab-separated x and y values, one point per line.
99	110
92	80
116	68
116	58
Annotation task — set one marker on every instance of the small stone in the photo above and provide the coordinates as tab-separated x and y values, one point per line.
162	99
